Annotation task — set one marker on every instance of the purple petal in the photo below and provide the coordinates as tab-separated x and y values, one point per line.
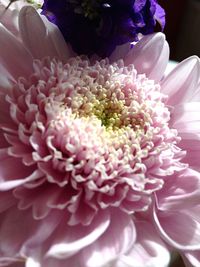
160	16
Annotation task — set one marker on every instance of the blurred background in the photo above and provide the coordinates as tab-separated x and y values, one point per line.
182	27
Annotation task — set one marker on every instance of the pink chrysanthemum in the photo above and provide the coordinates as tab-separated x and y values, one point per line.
98	160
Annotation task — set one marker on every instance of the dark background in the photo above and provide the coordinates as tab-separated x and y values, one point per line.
182	27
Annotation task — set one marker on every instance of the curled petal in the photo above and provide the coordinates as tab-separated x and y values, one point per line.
119	52
150	56
181	84
73	239
7	201
13	52
185	118
10	179
120	236
184	195
149	249
35	32
19	231
180	229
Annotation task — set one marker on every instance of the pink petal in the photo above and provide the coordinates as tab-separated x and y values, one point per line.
37	199
120	52
17	175
180	229
196	96
7	201
63	52
185	118
51	262
18	264
192	258
13	52
192	146
12	261
149	249
181	84
180	191
73	239
6	79
19	231
9	17
33	263
150	56
3	142
4	118
41	37
40	230
117	240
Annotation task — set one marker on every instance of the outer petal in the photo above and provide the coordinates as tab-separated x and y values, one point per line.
19	231
117	240
191	143
17	175
181	84
5	108
63	50
196	96
178	213
185	118
8	17
180	192
150	56
30	262
70	240
41	37
7	201
18	264
52	262
180	229
13	52
5	79
170	66
120	52
149	250
192	258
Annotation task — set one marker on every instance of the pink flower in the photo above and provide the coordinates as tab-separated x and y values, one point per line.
98	160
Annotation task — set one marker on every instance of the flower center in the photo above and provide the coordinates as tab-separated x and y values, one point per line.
98	132
109	111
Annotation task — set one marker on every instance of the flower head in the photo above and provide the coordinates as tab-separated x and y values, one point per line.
97	27
103	153
94	133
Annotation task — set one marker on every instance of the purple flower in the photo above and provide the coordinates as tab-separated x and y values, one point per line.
97	27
